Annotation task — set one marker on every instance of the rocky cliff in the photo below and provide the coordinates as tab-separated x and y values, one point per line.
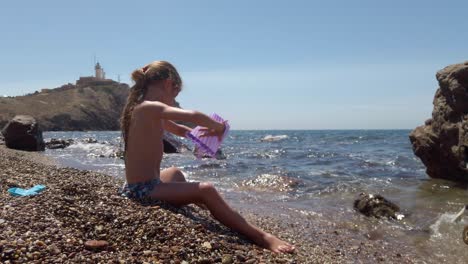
70	107
442	143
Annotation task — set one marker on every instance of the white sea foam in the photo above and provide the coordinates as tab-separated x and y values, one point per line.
94	149
271	138
445	225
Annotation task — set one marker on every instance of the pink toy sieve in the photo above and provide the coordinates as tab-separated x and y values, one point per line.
207	146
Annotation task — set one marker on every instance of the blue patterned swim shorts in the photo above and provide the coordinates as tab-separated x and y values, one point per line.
139	190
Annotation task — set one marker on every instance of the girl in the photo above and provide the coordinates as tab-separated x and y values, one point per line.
148	112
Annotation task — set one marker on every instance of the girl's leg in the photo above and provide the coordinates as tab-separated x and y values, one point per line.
174	174
180	193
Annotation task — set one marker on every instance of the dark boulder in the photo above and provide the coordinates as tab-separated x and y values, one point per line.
23	133
442	143
169	148
172	144
376	206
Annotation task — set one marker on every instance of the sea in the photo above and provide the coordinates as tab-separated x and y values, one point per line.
313	174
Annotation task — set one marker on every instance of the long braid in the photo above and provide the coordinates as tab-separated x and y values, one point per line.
137	93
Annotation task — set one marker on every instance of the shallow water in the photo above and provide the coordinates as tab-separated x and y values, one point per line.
319	174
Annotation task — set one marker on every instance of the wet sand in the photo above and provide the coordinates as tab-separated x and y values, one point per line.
79	206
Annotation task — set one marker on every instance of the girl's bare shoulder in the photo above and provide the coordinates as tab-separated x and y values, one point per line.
150	107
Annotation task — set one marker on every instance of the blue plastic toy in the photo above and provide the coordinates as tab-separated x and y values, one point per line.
16	191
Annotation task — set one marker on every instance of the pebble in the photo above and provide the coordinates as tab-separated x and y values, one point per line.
207	245
54	249
40	243
175	249
239	255
204	261
227	259
96	244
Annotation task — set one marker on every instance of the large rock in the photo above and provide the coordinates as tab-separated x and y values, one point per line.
442	143
23	133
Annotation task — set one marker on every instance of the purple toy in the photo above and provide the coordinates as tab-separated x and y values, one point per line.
207	146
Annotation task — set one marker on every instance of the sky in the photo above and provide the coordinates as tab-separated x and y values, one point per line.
259	64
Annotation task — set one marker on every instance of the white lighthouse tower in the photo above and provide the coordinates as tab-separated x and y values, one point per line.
100	74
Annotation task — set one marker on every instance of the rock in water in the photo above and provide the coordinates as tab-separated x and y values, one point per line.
58	143
442	143
169	148
172	144
219	154
89	140
376	206
23	133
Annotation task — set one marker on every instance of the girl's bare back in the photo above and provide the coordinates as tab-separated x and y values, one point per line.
145	148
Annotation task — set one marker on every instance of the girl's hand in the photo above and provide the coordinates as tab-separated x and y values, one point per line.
208	132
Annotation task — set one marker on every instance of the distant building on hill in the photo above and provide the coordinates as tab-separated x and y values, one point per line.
100	74
98	79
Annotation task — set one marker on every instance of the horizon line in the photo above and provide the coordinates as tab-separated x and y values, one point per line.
269	129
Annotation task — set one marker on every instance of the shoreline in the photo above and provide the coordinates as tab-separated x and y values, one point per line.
78	206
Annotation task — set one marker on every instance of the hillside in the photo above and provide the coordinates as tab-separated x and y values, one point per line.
70	107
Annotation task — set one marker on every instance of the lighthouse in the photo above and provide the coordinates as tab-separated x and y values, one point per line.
99	78
100	74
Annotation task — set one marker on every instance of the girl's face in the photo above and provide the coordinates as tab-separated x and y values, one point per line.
176	88
171	89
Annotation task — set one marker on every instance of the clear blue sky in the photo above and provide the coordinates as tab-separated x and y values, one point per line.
261	64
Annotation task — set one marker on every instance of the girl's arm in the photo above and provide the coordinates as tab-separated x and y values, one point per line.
165	112
176	129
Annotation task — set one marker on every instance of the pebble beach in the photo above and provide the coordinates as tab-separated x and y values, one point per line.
78	207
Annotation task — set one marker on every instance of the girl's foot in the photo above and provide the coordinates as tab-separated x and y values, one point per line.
275	244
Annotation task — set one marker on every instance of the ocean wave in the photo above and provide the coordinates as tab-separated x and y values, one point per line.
373	163
445	224
93	149
268	154
322	154
212	166
271	138
398	163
